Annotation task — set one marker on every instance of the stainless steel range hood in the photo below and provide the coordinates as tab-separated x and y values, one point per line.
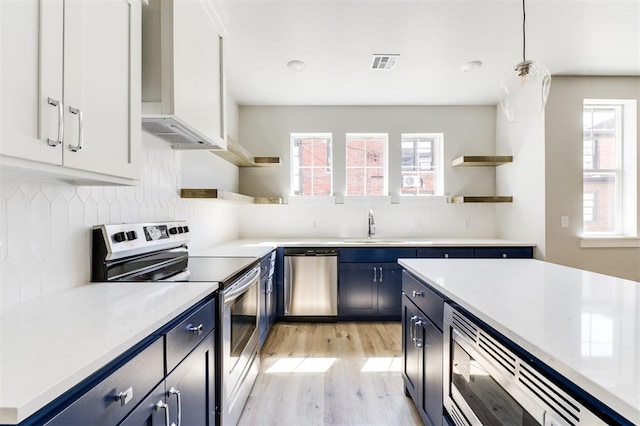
178	134
183	87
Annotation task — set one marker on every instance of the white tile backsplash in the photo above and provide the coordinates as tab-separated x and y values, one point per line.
45	227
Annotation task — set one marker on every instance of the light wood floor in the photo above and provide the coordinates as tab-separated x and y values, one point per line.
293	387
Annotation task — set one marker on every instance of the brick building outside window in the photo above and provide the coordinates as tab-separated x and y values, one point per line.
366	162
311	164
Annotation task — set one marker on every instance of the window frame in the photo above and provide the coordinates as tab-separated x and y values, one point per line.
385	166
293	176
625	171
437	161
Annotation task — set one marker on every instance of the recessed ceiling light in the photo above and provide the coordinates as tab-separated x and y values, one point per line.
470	66
296	65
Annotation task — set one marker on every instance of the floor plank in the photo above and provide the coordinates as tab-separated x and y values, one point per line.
345	373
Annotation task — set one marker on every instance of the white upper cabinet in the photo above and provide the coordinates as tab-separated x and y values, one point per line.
71	88
183	89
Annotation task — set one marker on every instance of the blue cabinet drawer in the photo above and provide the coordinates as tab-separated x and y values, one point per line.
503	252
375	255
185	336
108	402
445	252
428	301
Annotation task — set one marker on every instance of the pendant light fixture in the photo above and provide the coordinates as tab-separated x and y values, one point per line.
524	92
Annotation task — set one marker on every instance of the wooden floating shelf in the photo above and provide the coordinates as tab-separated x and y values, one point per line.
217	194
481	199
481	161
238	155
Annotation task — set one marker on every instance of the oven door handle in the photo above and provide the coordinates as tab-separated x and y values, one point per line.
241	286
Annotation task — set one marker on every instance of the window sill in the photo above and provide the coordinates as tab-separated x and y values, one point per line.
352	199
305	199
609	242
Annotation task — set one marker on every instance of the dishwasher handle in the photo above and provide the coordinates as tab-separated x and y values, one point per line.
305	251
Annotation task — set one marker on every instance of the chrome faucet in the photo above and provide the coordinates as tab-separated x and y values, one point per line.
372	226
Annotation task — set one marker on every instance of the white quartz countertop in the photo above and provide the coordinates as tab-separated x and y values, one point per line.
51	343
584	325
259	248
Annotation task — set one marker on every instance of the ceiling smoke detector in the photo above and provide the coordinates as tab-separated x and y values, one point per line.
383	62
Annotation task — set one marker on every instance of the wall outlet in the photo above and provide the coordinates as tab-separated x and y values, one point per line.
564	221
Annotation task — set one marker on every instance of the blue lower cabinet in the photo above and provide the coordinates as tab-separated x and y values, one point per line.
109	401
503	252
190	388
445	253
369	290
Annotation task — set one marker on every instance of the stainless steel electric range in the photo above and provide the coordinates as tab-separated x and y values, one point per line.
158	252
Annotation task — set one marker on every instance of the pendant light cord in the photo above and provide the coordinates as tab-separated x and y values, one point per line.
524	36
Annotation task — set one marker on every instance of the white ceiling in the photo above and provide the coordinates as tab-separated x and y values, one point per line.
337	38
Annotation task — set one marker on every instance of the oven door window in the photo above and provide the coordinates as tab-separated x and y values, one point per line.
491	404
243	312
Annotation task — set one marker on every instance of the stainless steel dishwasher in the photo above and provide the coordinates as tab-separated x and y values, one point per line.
311	282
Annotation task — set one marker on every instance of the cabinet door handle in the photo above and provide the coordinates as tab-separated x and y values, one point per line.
195	329
176	392
412	332
418	341
58	104
125	396
418	293
375	274
163	406
380	274
78	112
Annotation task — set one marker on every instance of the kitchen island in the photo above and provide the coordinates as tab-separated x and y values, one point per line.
582	325
50	344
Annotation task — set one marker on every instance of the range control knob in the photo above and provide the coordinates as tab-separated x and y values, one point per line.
173	231
186	229
132	235
119	237
180	230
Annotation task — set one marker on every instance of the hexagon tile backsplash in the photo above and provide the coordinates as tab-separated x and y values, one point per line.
45	227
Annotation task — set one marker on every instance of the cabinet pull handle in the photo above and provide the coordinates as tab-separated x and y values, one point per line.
380	274
195	329
125	396
418	342
418	293
78	112
412	331
176	392
163	406
56	103
375	274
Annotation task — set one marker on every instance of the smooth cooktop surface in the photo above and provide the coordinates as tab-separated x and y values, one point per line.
215	269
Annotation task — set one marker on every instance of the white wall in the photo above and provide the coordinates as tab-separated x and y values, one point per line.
45	227
563	163
203	169
524	179
468	130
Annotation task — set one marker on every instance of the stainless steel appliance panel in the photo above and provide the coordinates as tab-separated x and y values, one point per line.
311	283
239	344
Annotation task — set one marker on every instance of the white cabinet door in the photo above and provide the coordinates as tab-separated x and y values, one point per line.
102	86
198	58
31	73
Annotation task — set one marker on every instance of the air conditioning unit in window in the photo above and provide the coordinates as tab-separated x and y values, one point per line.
411	181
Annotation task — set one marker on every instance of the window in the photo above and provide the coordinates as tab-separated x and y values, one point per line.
422	164
609	180
311	168
366	164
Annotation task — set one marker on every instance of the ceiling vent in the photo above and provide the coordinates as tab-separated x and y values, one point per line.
383	62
